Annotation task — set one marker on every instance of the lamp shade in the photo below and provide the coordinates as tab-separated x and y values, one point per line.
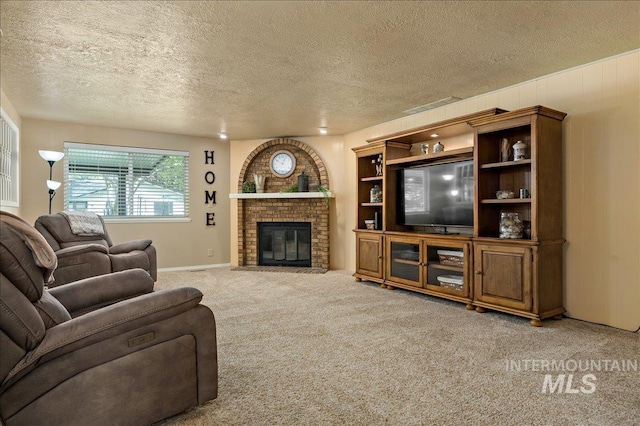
53	185
51	155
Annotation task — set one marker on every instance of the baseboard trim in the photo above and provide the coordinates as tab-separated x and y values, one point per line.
194	268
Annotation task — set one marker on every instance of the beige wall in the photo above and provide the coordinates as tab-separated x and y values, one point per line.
178	244
601	179
330	150
13	115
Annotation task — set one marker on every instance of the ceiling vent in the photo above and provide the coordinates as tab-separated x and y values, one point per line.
432	105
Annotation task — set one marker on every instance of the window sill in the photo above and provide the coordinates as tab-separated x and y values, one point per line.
147	220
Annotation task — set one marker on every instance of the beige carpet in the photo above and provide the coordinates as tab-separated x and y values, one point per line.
321	349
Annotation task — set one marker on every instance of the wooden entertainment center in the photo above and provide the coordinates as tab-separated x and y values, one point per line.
501	263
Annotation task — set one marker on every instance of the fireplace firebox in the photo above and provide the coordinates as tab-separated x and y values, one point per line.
284	243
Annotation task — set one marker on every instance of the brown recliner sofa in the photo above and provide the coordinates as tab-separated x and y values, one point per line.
84	256
101	351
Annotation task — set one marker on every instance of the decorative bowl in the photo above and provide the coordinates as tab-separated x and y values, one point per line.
503	194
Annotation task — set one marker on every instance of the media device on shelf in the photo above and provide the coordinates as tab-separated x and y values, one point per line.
437	195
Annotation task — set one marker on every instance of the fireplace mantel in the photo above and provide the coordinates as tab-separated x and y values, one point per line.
254	196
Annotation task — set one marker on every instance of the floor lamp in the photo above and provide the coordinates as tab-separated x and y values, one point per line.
51	157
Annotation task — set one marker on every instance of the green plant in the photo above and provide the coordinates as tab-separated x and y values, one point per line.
248	187
326	192
292	188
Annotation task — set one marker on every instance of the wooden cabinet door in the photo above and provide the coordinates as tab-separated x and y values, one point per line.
369	254
503	276
404	261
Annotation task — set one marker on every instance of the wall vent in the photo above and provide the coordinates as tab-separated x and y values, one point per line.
432	105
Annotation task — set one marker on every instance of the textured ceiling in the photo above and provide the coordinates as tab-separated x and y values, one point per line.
271	69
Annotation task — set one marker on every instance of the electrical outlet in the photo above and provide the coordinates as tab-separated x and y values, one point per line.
210	252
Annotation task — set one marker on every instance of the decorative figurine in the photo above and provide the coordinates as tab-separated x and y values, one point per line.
505	150
438	147
378	163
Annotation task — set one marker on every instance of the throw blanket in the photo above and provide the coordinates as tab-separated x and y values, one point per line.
84	224
43	254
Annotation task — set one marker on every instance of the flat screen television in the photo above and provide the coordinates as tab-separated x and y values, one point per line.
436	195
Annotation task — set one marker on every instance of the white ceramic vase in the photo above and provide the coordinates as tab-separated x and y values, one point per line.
259	180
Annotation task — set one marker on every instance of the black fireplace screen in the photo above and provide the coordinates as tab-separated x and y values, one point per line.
284	243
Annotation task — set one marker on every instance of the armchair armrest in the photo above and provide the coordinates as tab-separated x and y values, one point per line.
93	293
80	249
129	246
101	325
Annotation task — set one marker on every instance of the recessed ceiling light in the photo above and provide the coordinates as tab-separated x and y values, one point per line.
322	130
434	135
222	135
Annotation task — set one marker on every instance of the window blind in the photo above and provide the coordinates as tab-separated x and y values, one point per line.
8	162
126	182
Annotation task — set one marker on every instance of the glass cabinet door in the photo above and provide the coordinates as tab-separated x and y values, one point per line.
404	261
445	268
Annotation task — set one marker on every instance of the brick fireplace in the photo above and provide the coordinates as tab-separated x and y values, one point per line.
276	206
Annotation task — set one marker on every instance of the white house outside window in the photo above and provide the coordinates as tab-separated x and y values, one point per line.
126	182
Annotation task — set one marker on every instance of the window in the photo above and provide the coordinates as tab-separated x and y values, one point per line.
8	162
126	182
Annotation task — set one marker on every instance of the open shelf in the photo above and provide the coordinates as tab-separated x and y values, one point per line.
425	158
405	261
526	162
446	267
506	201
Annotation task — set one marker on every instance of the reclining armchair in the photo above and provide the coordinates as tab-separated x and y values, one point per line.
85	252
101	351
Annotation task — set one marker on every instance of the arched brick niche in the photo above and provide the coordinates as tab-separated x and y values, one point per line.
253	211
307	160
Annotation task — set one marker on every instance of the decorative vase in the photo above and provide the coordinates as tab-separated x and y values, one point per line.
375	194
438	147
510	226
303	182
259	180
519	151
